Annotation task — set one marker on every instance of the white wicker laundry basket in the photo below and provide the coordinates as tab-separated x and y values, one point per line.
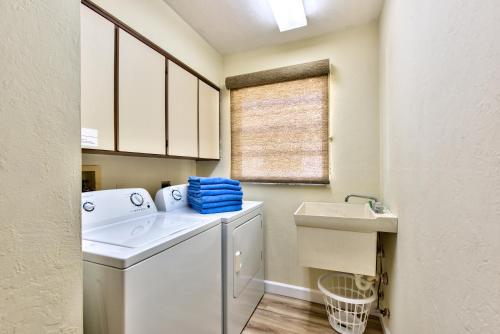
348	307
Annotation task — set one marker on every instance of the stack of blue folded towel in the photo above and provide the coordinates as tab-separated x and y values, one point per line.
214	194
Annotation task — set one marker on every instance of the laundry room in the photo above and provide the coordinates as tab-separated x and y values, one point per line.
249	166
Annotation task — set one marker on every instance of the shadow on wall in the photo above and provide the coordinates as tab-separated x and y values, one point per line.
314	275
207	168
389	240
132	172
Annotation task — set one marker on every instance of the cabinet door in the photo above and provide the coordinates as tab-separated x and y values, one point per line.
97	80
141	116
208	107
182	112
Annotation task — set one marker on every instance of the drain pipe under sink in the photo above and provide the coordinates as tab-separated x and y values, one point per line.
365	284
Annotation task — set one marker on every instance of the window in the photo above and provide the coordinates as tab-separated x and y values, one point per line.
279	130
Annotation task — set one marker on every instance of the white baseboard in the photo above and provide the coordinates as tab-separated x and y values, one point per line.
383	322
310	295
294	291
385	325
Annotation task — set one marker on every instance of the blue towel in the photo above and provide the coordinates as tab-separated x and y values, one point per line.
203	193
218	186
214	204
196	180
212	199
219	209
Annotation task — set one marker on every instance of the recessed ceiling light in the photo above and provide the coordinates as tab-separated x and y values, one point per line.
289	14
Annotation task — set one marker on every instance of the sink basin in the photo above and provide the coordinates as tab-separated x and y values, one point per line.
344	217
341	236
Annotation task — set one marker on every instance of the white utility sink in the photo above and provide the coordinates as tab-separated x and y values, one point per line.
345	217
341	236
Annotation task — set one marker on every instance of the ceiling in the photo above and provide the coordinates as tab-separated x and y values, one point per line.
240	25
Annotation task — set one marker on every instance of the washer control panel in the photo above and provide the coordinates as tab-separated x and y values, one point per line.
102	207
171	198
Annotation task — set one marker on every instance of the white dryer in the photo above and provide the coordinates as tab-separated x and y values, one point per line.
147	271
242	254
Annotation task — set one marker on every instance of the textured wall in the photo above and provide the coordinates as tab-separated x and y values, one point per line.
158	22
40	257
354	125
440	106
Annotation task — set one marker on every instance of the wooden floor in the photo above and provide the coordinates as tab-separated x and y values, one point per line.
278	314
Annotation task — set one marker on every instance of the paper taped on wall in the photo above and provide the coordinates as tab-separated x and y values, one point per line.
89	137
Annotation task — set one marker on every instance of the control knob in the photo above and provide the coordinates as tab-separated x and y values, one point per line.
88	206
136	199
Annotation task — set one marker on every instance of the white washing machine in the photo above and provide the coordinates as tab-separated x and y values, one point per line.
147	271
242	254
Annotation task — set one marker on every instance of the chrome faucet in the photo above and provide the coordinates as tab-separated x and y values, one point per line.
374	199
375	205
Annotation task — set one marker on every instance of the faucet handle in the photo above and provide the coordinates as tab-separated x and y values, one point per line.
377	207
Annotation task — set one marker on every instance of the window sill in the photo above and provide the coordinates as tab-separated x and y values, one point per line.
271	183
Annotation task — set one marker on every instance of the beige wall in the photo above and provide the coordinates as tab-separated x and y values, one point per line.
40	247
138	172
354	126
158	22
440	106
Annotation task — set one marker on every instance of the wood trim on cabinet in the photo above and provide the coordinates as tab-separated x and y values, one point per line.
166	106
145	40
135	154
220	125
198	115
116	110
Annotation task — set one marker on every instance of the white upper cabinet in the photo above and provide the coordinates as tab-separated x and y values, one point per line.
97	80
182	112
209	121
134	100
141	96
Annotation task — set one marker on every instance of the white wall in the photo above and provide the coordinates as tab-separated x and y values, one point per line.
157	21
440	106
354	126
40	246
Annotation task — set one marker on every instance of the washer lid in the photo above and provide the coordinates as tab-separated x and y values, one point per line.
137	232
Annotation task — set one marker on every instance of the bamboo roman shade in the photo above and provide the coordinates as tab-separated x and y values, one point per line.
279	130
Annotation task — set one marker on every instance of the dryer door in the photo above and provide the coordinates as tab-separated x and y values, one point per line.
247	253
